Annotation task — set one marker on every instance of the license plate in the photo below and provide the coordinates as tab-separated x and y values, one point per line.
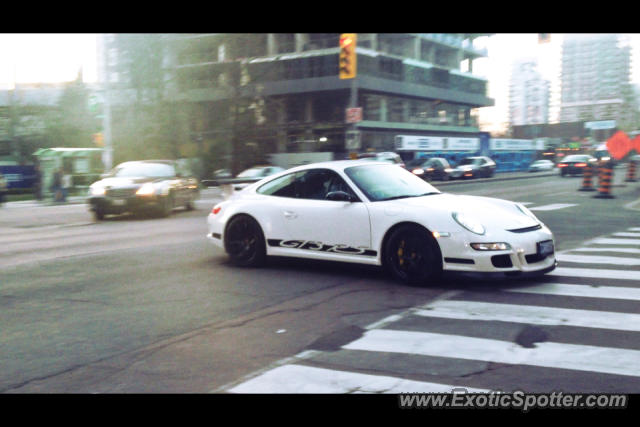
118	202
545	248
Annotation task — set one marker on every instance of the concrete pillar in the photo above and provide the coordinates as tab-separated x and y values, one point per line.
301	39
272	49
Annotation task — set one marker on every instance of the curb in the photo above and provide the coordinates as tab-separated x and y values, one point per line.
492	179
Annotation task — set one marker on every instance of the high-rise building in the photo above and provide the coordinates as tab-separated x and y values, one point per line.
528	94
595	79
407	84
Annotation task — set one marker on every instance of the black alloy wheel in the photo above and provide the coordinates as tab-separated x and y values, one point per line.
244	242
412	255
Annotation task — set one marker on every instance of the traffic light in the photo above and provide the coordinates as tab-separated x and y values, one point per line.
347	56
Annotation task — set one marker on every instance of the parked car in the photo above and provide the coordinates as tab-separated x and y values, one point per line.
155	186
474	167
575	164
541	165
254	174
386	156
436	168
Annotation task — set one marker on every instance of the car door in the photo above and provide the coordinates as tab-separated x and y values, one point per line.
333	226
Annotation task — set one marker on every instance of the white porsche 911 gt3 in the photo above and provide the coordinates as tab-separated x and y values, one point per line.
381	214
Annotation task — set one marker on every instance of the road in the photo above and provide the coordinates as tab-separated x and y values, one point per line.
137	305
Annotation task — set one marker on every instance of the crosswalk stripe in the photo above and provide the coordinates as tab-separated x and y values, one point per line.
626	234
545	354
634	229
611	241
308	379
621	249
596	274
606	292
595	259
552	207
533	315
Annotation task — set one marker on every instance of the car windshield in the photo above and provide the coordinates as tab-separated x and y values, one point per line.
148	170
381	182
251	173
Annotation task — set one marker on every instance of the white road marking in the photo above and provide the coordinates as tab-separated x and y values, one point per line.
615	361
606	292
626	234
307	379
552	207
597	274
622	250
534	315
596	259
610	241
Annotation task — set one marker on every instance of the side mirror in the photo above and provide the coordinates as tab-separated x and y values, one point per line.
339	196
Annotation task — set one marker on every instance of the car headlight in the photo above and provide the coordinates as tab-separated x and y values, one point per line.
147	189
468	223
498	246
97	190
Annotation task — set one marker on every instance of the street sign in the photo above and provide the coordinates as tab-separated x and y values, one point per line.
354	115
619	145
635	144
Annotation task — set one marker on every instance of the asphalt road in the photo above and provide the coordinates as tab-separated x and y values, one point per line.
137	305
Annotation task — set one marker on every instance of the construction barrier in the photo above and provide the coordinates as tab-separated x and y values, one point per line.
631	171
605	180
587	174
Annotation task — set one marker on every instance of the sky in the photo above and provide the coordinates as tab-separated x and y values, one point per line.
48	58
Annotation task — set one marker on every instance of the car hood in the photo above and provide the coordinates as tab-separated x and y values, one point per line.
115	182
490	212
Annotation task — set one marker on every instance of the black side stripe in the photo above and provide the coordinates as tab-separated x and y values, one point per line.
320	247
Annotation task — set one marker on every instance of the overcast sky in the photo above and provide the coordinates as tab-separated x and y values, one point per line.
58	57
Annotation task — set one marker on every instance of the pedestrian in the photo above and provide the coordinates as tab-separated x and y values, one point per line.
56	185
3	188
66	185
37	183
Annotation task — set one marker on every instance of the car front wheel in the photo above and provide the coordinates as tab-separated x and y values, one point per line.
411	255
244	242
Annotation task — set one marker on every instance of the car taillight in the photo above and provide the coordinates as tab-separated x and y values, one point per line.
581	165
562	165
216	209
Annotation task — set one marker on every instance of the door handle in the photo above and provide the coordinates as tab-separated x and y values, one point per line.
290	215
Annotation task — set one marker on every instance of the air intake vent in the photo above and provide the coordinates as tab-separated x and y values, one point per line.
526	229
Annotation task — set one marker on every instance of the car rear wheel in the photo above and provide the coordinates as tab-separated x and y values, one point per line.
412	255
244	242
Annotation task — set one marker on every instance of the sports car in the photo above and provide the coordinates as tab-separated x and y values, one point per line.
377	213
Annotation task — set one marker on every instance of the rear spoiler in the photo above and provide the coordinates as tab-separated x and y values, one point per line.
227	190
226	184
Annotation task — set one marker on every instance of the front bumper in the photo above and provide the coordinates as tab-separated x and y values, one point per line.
522	259
113	205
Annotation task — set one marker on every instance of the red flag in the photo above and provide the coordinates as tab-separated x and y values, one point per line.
619	145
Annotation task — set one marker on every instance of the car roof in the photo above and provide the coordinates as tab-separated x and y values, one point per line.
338	165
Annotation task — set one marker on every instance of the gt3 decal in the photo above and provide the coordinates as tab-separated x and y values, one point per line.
321	247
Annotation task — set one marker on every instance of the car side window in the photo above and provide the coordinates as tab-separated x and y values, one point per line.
315	184
284	186
312	184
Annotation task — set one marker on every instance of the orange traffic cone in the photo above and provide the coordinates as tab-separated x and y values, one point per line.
606	177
